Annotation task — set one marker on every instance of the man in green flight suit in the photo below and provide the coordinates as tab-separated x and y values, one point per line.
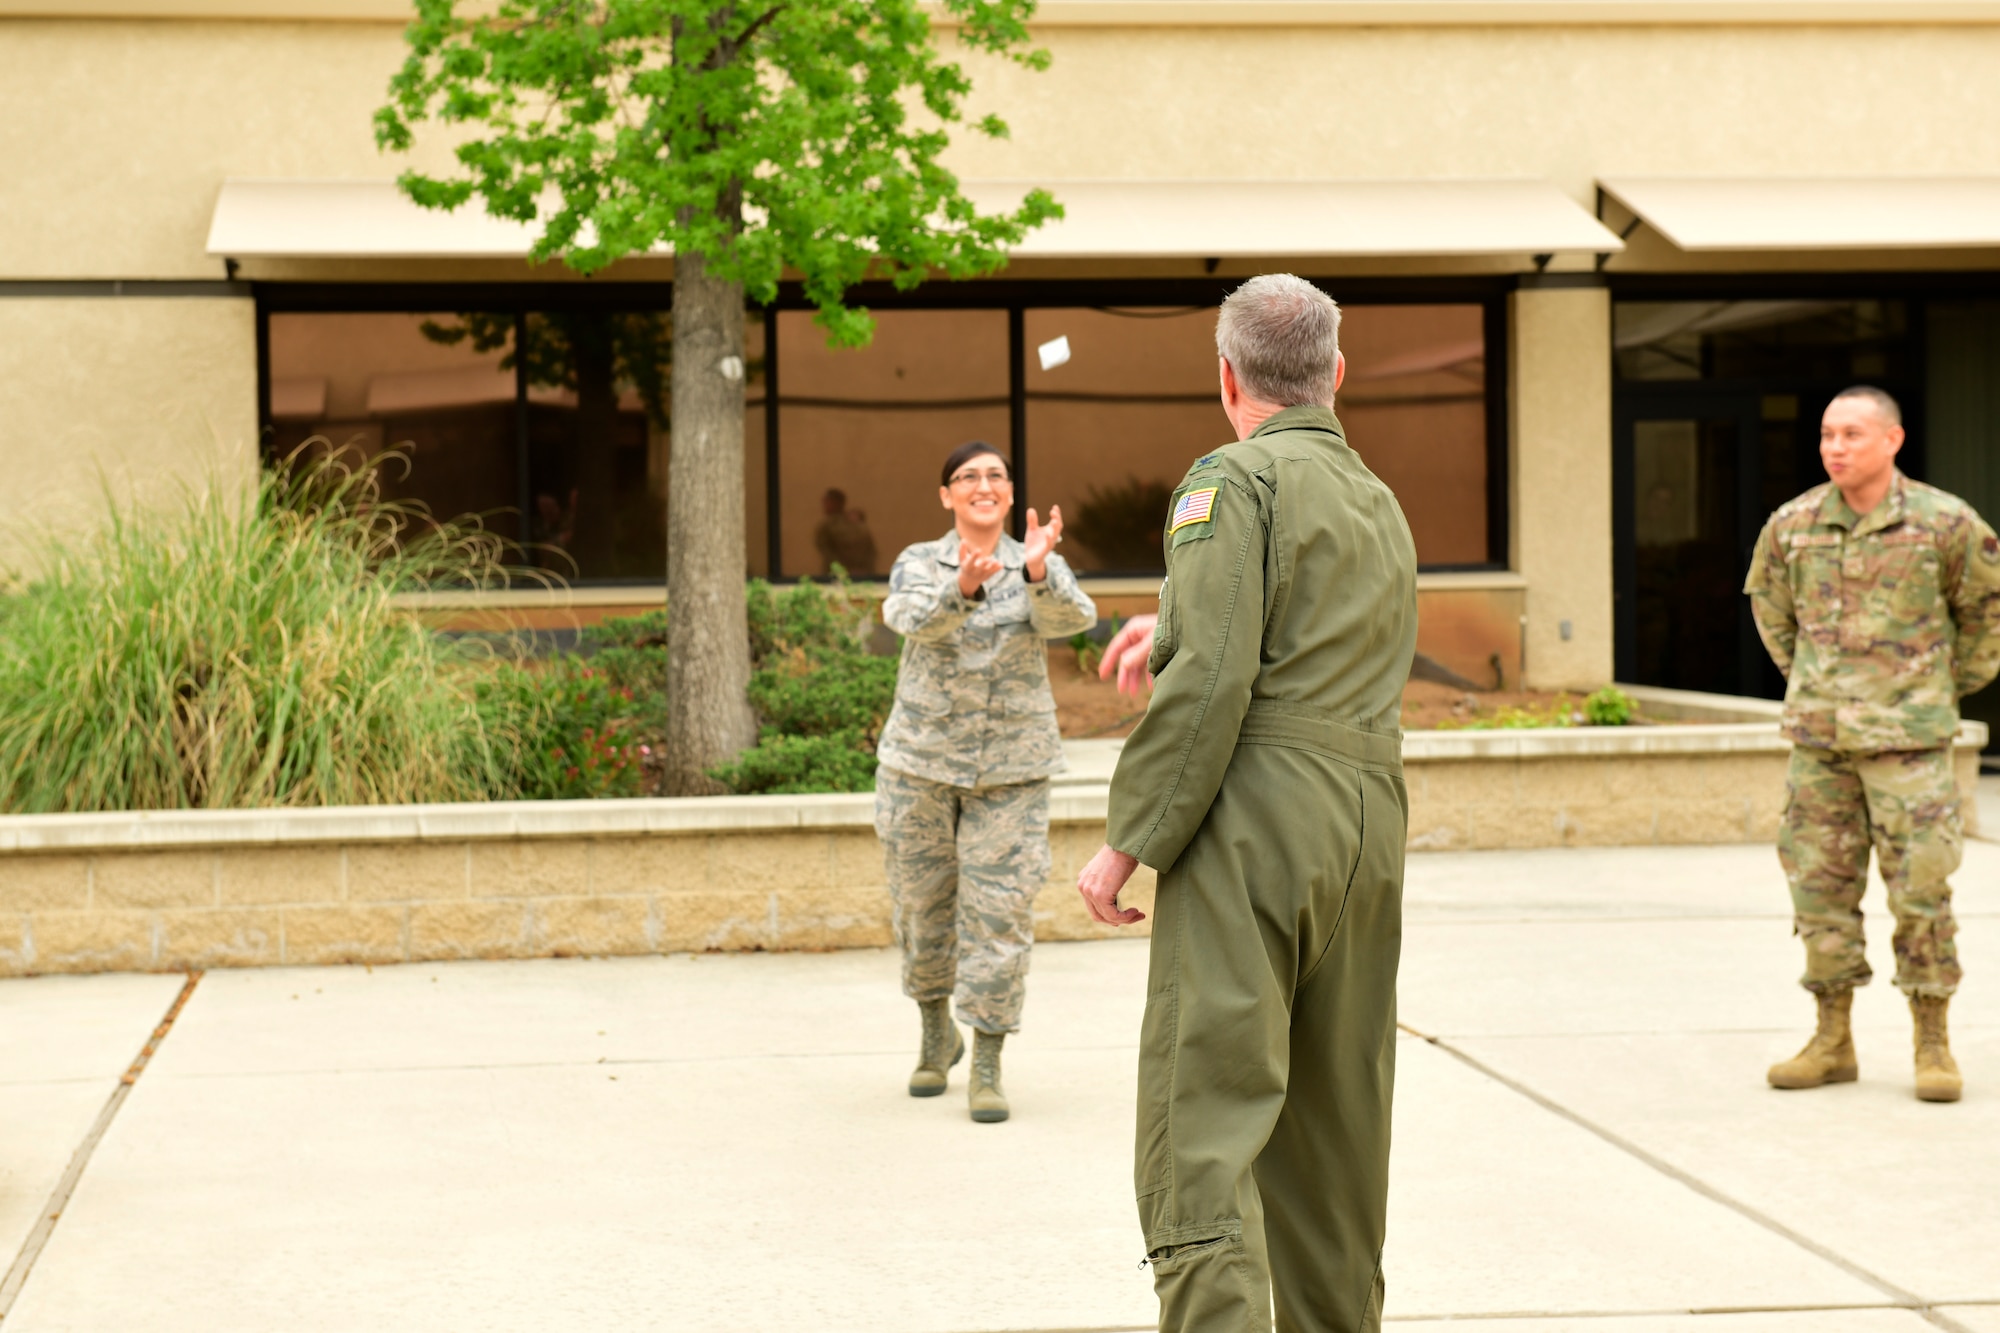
1265	785
1879	598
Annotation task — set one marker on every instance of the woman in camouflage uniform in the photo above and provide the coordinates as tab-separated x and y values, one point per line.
962	794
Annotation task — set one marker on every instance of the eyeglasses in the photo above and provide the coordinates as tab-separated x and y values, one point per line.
972	477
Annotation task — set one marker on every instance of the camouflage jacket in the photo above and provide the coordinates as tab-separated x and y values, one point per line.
973	705
1881	622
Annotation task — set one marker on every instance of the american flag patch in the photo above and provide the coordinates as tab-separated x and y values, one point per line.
1194	507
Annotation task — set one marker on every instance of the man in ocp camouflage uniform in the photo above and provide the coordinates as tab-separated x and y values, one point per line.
1879	598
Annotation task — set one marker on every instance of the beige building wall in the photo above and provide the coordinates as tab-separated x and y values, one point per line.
1569	104
154	114
135	394
1561	513
116	134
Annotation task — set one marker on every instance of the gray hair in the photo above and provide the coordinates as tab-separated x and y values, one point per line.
1886	405
1281	335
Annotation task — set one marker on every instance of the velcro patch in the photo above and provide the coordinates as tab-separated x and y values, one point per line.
1194	507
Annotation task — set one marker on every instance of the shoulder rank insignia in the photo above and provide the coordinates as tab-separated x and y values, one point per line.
1193	516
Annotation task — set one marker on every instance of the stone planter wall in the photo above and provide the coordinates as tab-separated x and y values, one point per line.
167	891
92	893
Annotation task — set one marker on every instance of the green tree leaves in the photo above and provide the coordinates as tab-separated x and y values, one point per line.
799	137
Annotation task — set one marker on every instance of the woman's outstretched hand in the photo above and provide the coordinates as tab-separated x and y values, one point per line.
974	568
1039	541
1126	656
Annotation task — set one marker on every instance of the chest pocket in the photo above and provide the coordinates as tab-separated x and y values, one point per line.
1816	578
1910	575
1166	634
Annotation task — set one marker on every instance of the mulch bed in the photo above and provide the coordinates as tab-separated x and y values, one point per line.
1088	708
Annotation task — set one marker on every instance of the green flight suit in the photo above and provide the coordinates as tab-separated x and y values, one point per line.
1265	784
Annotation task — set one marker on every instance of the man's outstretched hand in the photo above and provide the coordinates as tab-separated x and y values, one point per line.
1100	882
1126	655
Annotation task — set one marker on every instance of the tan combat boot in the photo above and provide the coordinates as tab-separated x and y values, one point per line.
1829	1056
943	1048
1937	1072
989	1104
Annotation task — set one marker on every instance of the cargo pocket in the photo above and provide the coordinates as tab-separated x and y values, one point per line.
1208	1283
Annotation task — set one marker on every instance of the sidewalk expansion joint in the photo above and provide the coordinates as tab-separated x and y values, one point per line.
1908	1300
52	1211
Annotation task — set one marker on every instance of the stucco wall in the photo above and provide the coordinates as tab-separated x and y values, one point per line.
117	135
1568	104
1560	351
117	132
136	394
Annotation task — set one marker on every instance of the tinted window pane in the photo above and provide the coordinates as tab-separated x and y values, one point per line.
1414	404
372	381
1112	429
864	431
597	441
1789	341
587	461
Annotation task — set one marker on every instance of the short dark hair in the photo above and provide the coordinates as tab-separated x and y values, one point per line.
1891	411
964	454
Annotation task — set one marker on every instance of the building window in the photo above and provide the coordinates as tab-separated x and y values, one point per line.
864	430
576	435
567	447
366	381
1112	428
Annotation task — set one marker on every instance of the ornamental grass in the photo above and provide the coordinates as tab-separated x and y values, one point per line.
227	650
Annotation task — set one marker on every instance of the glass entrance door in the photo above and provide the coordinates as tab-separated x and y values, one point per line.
1716	424
1690	498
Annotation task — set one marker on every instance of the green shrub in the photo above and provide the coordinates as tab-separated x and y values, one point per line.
631	651
821	696
839	761
238	649
1559	713
847	694
582	733
821	620
1610	707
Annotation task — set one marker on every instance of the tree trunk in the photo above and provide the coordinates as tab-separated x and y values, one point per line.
708	636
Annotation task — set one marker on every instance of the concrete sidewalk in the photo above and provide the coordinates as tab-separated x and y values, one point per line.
1584	1141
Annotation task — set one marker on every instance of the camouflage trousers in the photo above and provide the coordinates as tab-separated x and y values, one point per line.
1906	804
964	865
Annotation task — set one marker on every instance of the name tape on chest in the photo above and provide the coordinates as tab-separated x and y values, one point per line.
1192	508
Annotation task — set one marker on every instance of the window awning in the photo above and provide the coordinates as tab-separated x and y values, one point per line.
351	219
322	219
1242	219
1855	213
